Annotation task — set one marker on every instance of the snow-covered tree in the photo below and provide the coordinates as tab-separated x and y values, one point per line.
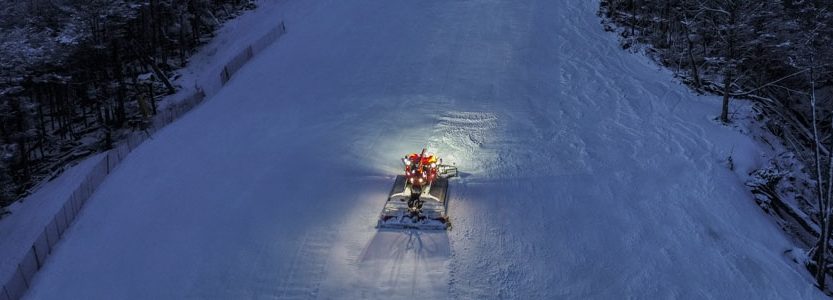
71	68
777	53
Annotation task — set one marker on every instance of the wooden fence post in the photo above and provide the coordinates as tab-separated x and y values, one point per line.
37	259
5	291
20	271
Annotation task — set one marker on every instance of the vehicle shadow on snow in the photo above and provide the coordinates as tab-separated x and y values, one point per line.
392	244
404	263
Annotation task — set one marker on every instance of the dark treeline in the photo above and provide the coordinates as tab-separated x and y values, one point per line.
76	74
777	53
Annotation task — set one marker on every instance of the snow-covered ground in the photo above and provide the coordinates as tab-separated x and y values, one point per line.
28	218
588	172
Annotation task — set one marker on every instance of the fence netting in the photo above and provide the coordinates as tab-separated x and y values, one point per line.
18	282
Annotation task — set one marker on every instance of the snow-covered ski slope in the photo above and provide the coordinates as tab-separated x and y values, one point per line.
587	172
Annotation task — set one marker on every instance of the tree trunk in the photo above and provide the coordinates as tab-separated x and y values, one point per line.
161	76
152	98
724	112
821	245
694	71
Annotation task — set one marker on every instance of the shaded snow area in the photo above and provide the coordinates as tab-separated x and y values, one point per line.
28	218
231	39
587	172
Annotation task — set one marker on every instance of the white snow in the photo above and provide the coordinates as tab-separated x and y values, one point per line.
587	171
29	217
235	35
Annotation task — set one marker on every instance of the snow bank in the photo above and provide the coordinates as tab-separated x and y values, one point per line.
20	229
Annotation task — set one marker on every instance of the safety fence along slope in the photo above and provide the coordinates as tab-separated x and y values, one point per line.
20	280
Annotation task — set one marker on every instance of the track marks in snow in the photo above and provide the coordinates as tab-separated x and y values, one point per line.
405	263
483	231
463	138
509	145
304	276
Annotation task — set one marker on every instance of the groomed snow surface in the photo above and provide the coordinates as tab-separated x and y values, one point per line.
588	172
